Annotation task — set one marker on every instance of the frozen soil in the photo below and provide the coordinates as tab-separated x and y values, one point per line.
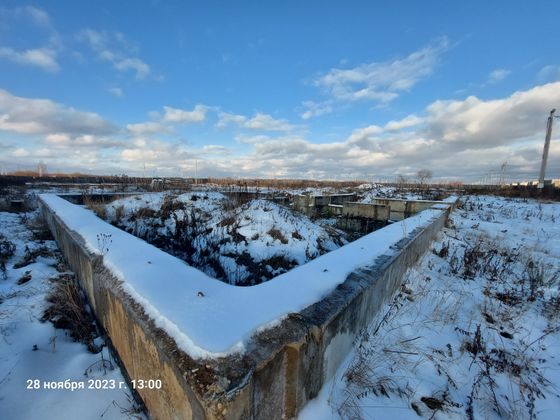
236	241
473	333
31	348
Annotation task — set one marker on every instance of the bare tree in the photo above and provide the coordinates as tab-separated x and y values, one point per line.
424	175
401	179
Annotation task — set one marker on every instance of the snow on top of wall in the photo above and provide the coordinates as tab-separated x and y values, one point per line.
224	318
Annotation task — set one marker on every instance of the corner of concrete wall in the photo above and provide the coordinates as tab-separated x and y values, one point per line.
323	334
145	351
283	367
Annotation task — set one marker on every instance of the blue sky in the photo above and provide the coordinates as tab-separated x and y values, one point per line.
316	89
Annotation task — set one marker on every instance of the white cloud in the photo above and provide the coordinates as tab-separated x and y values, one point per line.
81	142
38	15
20	152
365	133
147	128
25	14
498	75
382	81
156	153
177	115
44	58
265	122
549	73
314	109
215	149
480	123
259	121
407	122
456	139
115	49
225	119
58	139
251	139
142	69
116	91
161	124
43	116
96	40
459	139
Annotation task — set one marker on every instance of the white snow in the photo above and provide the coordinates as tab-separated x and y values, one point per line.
57	357
223	320
370	192
418	346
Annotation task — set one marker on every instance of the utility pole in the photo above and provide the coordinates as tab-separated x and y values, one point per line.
546	147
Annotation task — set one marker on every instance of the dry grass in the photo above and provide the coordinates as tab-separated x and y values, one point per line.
277	234
494	347
95	206
38	228
31	256
7	249
145	212
119	213
67	310
169	206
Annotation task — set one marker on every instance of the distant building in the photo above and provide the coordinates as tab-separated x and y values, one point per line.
157	184
41	169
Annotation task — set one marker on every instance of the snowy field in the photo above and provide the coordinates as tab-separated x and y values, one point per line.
474	331
33	350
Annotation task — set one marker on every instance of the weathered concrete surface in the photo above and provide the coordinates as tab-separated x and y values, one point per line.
401	209
317	205
95	197
368	210
283	367
335	209
360	217
144	351
360	225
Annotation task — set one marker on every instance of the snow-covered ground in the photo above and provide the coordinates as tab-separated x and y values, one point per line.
369	192
474	331
32	350
242	243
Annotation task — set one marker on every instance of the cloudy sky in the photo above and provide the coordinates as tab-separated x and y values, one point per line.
315	89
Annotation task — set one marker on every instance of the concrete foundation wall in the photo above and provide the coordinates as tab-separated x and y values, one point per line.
282	368
335	322
361	225
335	209
144	351
370	211
401	209
316	205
